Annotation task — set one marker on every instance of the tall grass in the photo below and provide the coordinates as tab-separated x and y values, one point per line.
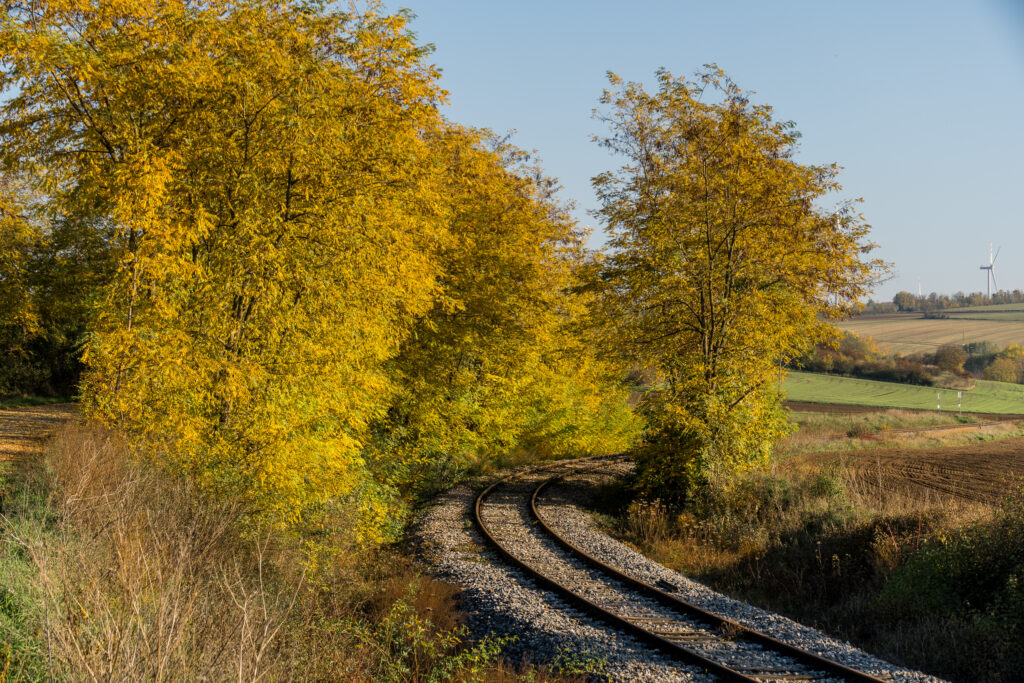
135	577
827	432
110	571
899	575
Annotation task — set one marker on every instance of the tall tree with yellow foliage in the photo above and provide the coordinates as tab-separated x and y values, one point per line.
20	238
722	266
309	286
275	207
495	367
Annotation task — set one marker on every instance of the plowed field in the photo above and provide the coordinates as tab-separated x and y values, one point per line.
984	472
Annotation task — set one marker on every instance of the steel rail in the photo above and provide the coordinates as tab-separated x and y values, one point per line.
722	623
666	646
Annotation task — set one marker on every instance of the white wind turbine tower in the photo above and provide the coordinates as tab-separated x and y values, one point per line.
990	278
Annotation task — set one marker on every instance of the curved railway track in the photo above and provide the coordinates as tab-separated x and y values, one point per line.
507	515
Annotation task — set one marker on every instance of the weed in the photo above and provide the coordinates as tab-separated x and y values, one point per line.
571	662
110	570
859	431
898	575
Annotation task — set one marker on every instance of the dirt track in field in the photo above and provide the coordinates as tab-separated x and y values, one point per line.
985	472
23	430
842	409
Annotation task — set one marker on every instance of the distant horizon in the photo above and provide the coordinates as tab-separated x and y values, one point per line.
925	295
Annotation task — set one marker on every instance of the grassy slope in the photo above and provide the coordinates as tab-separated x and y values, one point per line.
986	397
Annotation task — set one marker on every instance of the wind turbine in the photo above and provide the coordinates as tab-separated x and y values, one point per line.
990	278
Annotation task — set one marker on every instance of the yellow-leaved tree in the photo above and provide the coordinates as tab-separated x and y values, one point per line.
273	206
722	266
496	365
49	270
20	238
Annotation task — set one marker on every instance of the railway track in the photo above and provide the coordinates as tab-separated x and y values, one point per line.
507	515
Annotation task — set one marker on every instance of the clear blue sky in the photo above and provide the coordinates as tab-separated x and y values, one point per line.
922	102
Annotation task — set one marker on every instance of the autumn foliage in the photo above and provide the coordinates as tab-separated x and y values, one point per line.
247	234
320	288
723	266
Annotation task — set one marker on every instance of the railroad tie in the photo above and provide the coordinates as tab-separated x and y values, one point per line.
771	672
653	620
684	636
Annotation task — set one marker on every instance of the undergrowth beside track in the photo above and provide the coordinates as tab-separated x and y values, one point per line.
934	586
113	572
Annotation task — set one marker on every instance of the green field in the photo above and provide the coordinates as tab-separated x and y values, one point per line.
997	316
992	308
986	397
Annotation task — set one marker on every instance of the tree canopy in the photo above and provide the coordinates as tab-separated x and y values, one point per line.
496	365
304	286
722	266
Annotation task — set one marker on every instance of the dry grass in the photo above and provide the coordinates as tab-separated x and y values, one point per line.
905	429
110	571
765	511
140	579
896	572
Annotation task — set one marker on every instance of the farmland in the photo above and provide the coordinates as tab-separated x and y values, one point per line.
994	308
995	314
911	332
986	397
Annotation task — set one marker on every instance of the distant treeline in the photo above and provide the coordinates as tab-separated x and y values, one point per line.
909	302
856	356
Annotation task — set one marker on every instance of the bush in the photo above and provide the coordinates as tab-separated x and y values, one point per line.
977	568
951	358
859	431
1001	370
858	357
970	581
684	453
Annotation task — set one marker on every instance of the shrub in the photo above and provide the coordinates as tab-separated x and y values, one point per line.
1001	370
979	567
109	570
950	357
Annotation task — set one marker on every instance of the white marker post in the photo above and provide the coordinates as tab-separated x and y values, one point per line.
938	401
960	402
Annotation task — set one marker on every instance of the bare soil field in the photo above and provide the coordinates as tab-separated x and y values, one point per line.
985	472
22	430
911	332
